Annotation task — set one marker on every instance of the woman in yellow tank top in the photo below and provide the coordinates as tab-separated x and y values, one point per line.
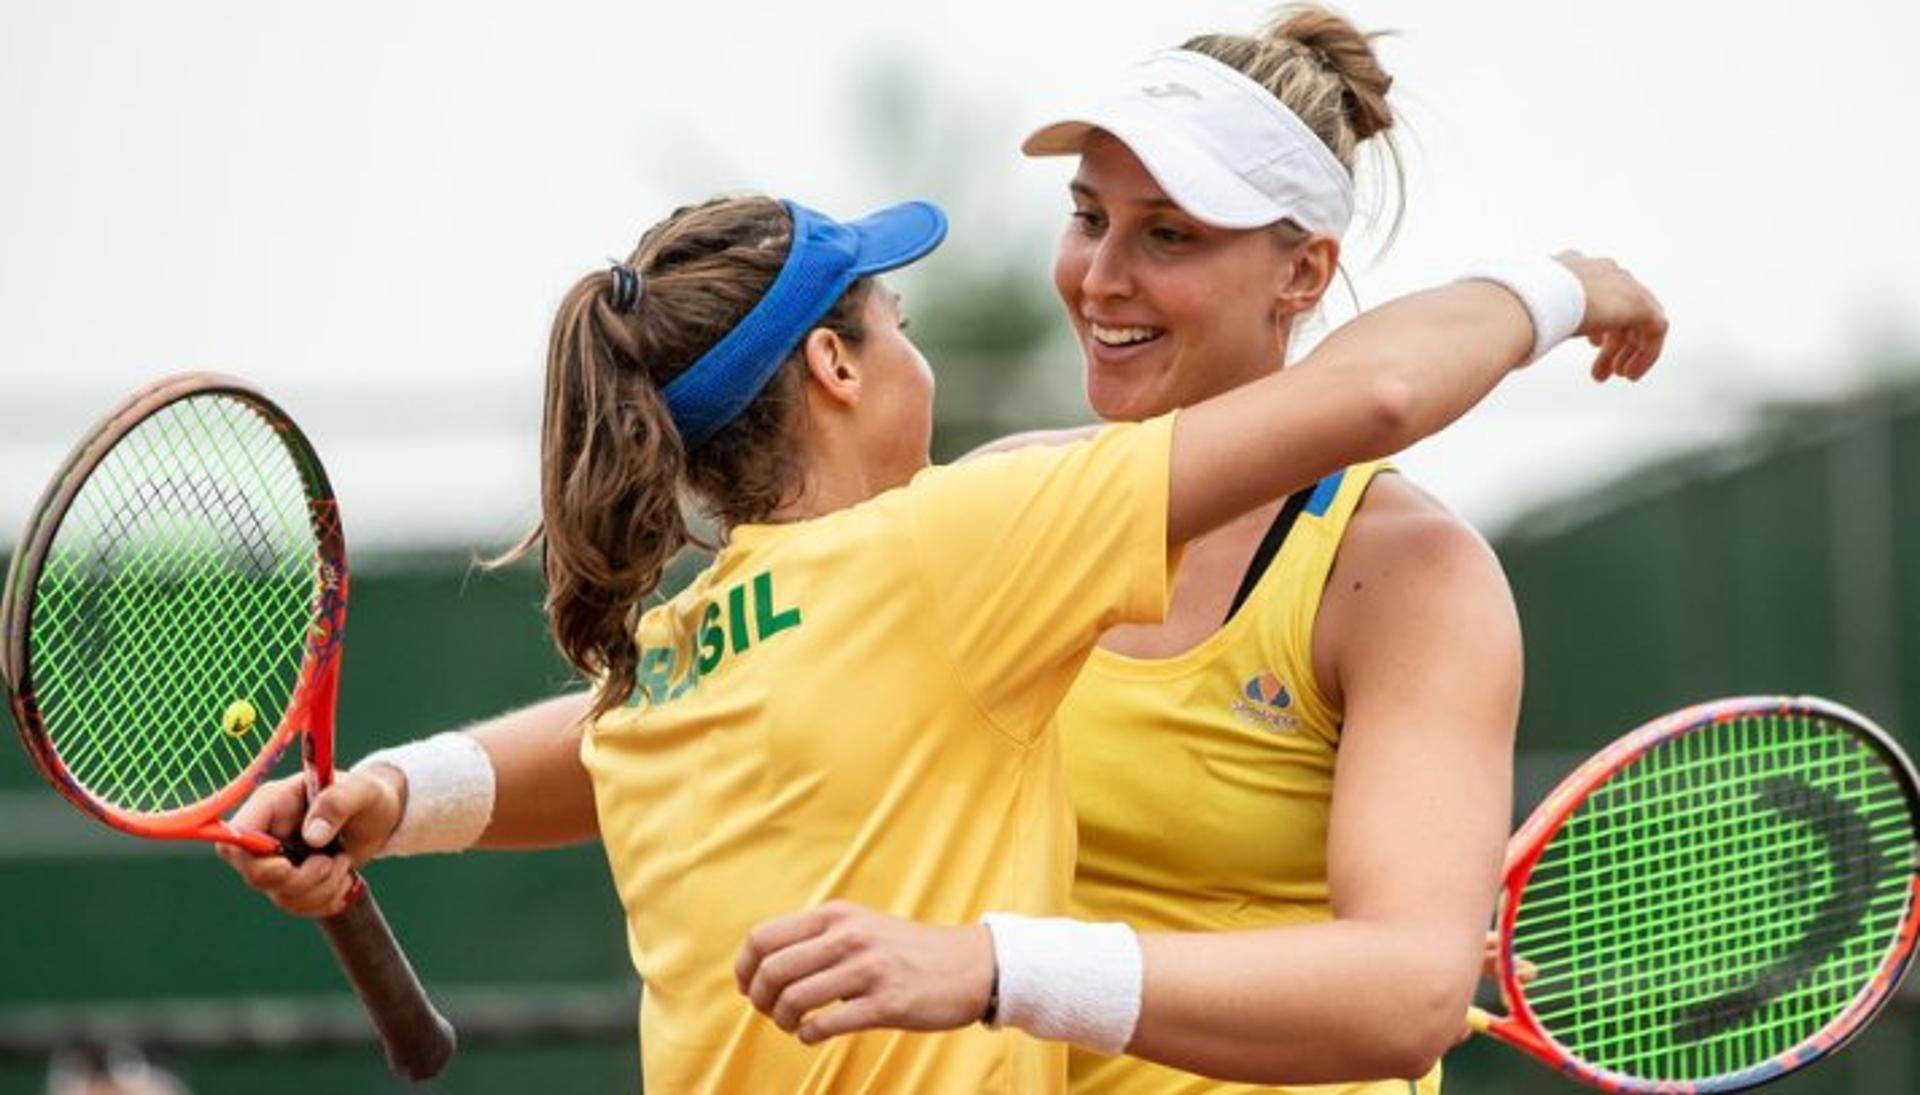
745	356
1296	786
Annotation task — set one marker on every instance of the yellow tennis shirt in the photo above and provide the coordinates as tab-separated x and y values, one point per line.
860	706
1204	782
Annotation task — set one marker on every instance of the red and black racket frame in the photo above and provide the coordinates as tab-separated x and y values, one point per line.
1522	1029
417	1039
310	708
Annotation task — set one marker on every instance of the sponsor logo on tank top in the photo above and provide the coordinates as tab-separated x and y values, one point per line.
1264	702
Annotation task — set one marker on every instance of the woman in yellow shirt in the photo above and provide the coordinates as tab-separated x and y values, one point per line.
1308	920
744	355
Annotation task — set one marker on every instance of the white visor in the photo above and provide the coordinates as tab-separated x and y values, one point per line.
1221	146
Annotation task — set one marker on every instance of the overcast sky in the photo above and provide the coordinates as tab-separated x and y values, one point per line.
371	209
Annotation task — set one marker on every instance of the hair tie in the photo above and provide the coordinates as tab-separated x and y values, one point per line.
626	287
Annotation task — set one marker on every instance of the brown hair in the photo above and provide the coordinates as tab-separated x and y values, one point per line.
613	469
1323	69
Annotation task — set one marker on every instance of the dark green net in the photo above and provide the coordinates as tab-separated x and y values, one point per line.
1720	900
180	585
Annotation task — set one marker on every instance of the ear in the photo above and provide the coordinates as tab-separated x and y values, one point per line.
831	366
1314	264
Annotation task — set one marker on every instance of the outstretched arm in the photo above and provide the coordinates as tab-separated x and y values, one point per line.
1388	378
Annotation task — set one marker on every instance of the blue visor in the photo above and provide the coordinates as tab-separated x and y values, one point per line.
826	257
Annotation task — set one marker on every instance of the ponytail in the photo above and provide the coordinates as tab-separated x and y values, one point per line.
614	471
1323	69
611	469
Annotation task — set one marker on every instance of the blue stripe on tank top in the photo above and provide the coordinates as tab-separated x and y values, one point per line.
1323	494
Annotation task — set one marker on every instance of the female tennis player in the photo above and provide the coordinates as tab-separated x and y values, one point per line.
746	356
1296	784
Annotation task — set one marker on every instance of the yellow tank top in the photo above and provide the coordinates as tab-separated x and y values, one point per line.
1203	782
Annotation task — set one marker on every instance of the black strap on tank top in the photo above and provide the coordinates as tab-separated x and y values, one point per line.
1269	546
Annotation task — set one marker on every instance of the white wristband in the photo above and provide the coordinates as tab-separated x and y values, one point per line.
1552	294
1067	980
449	793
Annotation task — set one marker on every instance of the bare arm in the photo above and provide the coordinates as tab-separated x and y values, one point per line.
542	795
1381	382
1420	815
1387	379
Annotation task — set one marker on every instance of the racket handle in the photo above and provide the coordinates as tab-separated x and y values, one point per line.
418	1040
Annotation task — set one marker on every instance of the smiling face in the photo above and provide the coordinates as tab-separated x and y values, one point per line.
1169	310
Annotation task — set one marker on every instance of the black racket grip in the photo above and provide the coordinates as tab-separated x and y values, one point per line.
419	1041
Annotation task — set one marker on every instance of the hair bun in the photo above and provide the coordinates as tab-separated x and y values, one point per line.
1341	47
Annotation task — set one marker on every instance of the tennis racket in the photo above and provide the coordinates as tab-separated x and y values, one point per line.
1721	897
172	622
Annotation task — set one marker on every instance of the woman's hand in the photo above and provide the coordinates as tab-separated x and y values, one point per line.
1623	318
361	808
882	970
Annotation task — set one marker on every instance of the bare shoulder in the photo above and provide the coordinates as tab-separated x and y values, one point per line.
1411	577
1033	438
1402	536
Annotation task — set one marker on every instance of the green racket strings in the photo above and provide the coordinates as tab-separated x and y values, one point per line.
171	612
1719	900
